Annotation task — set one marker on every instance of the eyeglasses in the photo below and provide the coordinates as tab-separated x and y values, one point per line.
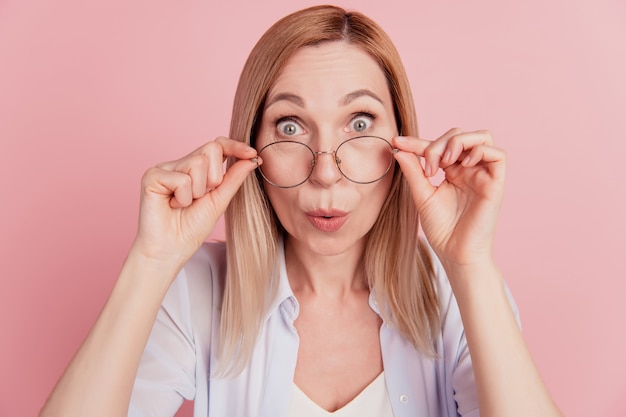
363	160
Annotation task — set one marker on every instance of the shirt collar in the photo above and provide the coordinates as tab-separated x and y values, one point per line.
286	302
373	302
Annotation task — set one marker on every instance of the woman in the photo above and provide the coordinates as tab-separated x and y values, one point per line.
324	298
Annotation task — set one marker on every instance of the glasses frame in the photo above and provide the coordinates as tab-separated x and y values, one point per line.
315	154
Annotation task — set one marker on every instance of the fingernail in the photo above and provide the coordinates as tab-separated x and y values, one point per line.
401	139
428	170
447	156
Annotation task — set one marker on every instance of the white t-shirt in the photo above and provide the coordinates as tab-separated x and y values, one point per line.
372	401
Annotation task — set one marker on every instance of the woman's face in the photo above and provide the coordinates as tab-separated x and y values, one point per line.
326	94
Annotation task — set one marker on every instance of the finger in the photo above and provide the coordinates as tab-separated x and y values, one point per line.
493	158
229	146
420	185
224	146
196	167
170	185
214	152
448	149
411	144
205	164
432	151
217	151
419	147
232	181
458	145
435	152
236	148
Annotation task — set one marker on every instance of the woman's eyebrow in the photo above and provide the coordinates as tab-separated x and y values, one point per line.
348	98
295	99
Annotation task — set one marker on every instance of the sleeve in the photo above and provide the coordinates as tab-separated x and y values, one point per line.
461	390
166	374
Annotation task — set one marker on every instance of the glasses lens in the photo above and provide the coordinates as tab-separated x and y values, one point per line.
286	163
365	159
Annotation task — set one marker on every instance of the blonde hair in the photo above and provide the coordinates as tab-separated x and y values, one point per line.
397	265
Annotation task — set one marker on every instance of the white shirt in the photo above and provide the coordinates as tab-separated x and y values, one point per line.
181	352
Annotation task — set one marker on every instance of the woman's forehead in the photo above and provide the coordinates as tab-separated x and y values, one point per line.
334	69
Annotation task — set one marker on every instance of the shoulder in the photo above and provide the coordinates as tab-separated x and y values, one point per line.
209	262
191	306
451	334
440	278
204	273
197	290
176	359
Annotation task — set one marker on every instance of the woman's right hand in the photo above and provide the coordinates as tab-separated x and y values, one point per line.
182	200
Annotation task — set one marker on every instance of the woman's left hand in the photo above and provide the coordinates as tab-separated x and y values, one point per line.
459	215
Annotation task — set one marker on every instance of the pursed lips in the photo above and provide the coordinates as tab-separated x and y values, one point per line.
327	220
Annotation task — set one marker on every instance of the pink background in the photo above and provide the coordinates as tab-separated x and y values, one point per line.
93	93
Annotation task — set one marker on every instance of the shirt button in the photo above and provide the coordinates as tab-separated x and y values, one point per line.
404	398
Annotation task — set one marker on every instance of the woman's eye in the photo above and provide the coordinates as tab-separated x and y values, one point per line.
288	128
361	124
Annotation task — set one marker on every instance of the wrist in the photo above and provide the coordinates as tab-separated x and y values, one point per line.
165	259
463	276
149	271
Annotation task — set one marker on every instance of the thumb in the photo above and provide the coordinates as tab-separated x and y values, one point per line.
232	181
421	187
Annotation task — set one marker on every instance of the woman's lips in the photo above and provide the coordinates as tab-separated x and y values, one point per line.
327	220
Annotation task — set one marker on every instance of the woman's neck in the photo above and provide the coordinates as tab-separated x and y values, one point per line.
335	276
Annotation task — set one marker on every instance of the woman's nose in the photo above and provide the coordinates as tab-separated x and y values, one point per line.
325	169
